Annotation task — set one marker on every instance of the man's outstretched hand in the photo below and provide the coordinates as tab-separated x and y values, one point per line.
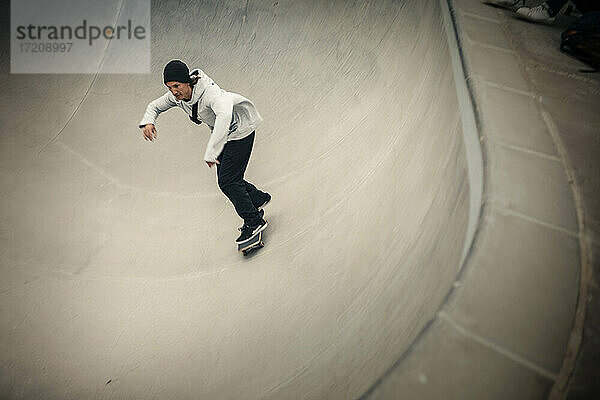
149	132
210	164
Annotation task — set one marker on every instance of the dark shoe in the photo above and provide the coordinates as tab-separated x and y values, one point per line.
267	200
249	231
261	213
246	234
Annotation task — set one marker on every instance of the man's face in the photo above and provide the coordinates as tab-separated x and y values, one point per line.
181	91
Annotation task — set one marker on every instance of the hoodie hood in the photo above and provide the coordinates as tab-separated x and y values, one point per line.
203	82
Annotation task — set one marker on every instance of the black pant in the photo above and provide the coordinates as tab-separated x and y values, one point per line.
244	196
583	5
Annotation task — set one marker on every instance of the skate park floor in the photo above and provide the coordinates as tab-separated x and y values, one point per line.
382	277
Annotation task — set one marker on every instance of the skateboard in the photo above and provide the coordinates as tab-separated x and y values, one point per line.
254	243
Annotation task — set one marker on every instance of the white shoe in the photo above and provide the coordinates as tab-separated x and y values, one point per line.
539	14
510	4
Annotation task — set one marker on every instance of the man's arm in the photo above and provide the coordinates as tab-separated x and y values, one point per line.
162	104
222	106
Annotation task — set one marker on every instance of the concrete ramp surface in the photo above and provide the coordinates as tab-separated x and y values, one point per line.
120	276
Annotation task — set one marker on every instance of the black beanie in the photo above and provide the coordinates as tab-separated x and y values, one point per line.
176	71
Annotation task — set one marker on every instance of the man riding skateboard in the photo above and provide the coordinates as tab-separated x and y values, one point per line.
232	119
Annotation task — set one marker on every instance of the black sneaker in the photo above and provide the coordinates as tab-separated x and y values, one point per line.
261	213
267	200
249	231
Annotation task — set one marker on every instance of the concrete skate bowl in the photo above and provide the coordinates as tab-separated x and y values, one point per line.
120	275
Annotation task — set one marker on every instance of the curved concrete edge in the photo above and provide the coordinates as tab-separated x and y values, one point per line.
506	326
469	129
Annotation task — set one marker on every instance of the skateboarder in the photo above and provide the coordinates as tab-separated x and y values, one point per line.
232	119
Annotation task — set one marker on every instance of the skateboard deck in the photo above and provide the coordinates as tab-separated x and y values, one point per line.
254	243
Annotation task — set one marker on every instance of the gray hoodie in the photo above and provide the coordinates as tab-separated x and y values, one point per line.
230	116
